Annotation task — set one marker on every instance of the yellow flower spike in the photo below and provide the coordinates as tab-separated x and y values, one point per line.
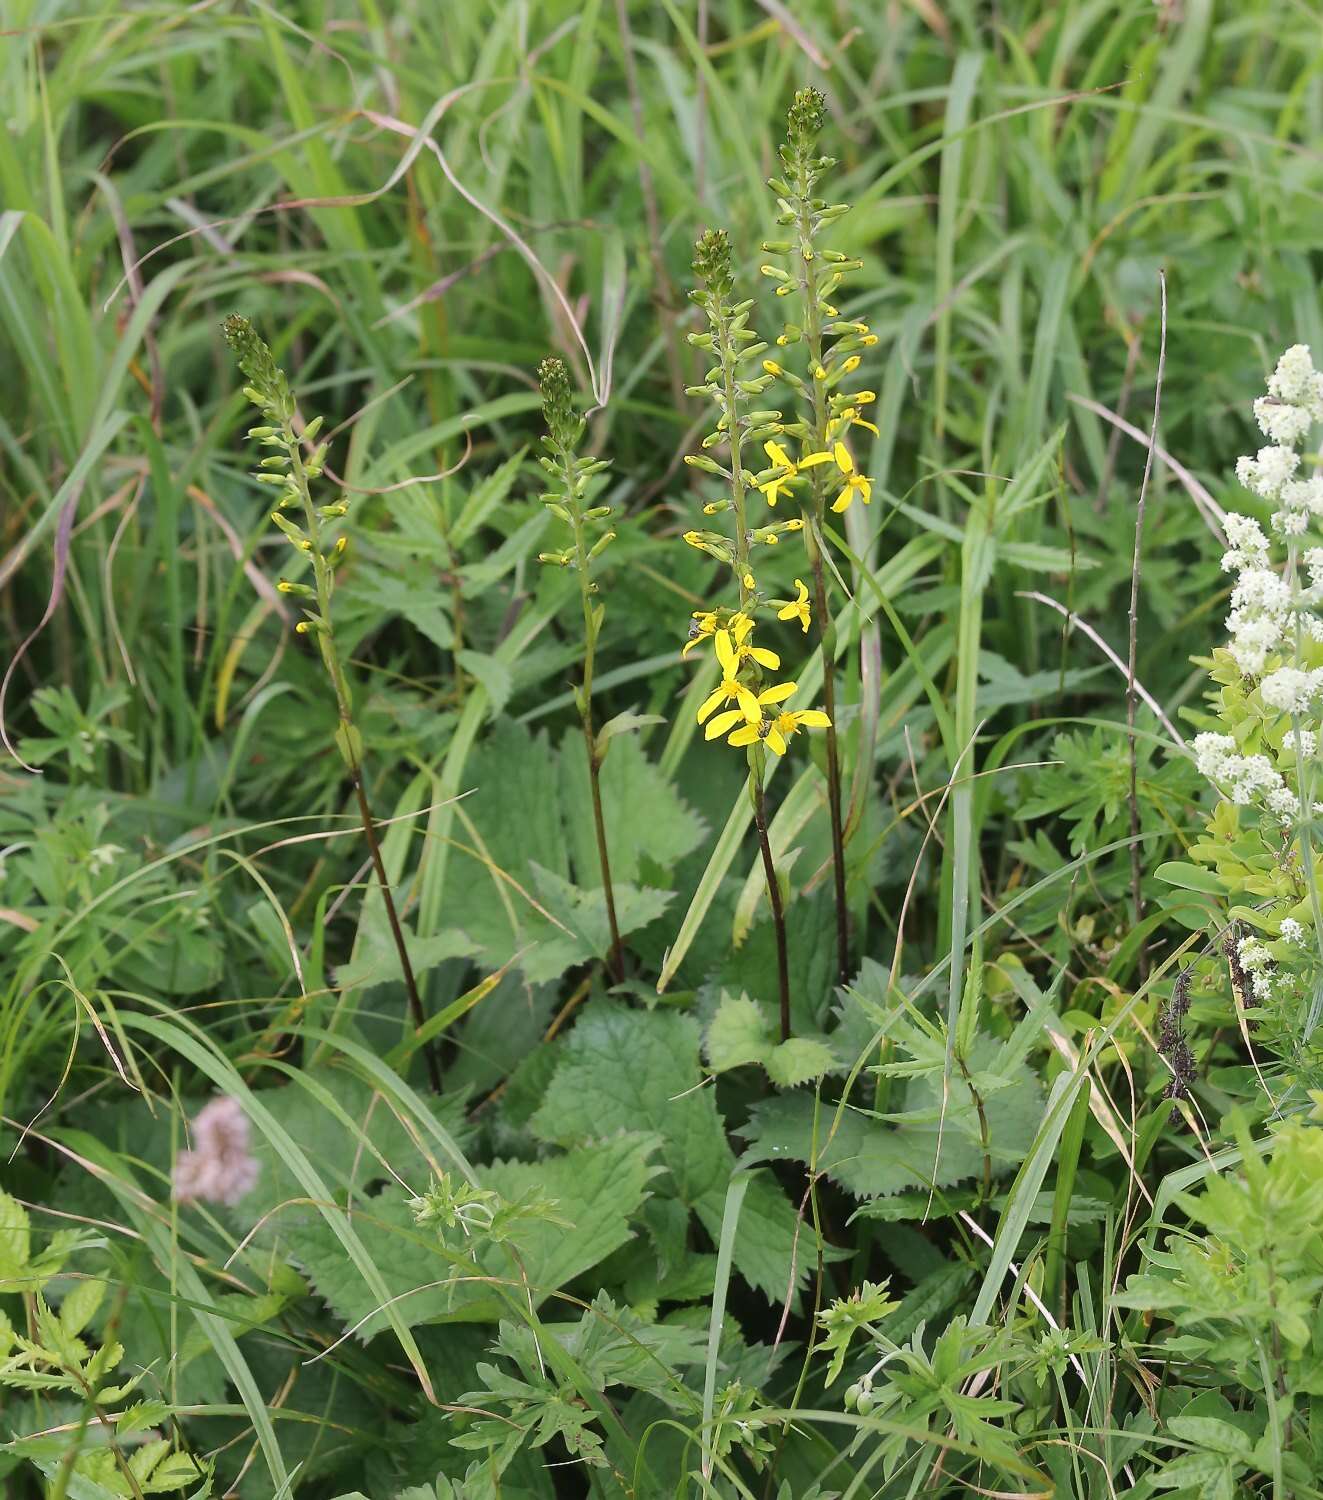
855	482
798	609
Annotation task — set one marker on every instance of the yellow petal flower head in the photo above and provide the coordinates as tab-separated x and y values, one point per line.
734	647
728	690
798	608
701	627
855	482
757	727
778	731
786	475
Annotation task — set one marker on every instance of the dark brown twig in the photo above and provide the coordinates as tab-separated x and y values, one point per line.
774	899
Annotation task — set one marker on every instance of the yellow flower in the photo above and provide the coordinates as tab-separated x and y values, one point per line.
786	475
849	417
850	365
749	731
703	625
855	482
733	647
779	731
798	609
728	690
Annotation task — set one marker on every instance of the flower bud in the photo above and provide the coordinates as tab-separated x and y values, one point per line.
708	465
563	424
712	262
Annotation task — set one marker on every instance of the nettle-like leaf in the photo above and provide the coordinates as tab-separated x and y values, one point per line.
742	1032
613	1345
526	875
621	1069
933	1140
595	1190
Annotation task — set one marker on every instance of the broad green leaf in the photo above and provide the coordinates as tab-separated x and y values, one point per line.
628	1070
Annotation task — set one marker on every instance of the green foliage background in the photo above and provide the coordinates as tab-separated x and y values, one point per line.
412	202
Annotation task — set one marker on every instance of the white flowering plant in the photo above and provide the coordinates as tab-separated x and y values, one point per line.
1259	747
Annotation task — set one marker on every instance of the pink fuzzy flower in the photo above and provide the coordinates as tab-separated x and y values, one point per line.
220	1168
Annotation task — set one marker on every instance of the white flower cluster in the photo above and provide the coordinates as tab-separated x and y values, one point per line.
1264	603
1257	963
1249	778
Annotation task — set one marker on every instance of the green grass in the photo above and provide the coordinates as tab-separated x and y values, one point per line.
414	204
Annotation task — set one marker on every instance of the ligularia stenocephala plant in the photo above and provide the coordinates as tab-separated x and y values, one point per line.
1263	837
745	709
825	475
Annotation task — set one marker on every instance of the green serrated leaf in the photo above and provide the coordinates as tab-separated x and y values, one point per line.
798	1060
739	1033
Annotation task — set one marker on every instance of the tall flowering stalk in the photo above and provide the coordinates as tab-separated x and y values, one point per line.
308	530
1262	837
826	470
744	709
570	476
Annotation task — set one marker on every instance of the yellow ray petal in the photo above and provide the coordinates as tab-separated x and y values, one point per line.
726	653
721	723
712	702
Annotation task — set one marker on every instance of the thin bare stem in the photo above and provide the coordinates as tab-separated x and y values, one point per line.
617	960
1131	696
564	429
773	893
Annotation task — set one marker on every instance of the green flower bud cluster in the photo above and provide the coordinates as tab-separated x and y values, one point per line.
286	469
569	473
